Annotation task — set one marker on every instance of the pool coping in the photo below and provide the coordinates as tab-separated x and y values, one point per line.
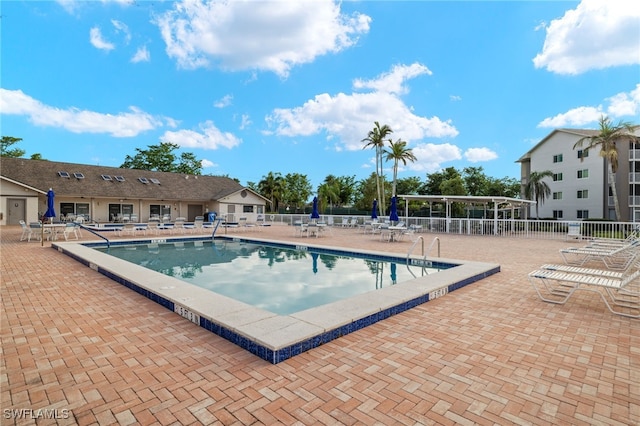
272	337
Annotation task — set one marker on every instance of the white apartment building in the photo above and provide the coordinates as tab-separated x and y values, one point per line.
579	186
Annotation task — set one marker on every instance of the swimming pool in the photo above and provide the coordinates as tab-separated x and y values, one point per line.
270	336
282	280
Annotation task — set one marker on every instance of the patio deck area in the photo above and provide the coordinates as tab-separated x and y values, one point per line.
88	351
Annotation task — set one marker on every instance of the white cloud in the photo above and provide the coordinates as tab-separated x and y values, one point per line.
224	102
573	118
257	35
245	121
393	81
349	117
121	27
209	137
625	104
476	155
124	124
141	55
596	34
95	36
206	164
620	105
431	156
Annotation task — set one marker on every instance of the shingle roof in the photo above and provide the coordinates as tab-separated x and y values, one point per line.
42	175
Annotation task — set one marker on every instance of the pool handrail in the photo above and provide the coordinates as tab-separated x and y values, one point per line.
81	226
215	228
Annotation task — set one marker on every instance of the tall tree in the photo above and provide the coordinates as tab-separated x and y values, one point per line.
376	139
272	187
608	138
297	189
161	158
8	141
398	152
328	192
536	189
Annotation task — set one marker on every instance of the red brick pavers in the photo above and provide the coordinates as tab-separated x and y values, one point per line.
79	346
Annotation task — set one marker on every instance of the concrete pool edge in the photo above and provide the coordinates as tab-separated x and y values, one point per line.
273	337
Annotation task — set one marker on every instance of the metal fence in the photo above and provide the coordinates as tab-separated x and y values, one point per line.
518	228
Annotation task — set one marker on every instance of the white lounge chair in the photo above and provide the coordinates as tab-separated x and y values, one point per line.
615	257
556	284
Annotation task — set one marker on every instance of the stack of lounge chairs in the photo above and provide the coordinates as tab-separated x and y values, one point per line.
606	267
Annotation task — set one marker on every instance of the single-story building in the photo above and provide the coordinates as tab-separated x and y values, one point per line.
102	194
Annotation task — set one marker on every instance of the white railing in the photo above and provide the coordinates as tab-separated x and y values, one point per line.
518	228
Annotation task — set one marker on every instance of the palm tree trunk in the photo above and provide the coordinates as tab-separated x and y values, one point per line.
378	177
614	190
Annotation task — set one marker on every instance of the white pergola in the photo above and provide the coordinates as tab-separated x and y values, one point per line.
499	203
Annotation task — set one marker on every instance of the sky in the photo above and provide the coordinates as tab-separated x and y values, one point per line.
252	87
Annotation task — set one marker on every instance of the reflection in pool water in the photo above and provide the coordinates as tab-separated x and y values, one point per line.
278	279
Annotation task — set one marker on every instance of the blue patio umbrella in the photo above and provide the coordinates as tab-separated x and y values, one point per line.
314	213
374	210
314	257
51	211
393	216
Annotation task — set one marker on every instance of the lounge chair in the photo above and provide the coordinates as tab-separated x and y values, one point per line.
614	257
616	288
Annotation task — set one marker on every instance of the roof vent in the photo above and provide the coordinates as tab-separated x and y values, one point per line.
120	178
154	180
143	180
106	177
78	175
64	174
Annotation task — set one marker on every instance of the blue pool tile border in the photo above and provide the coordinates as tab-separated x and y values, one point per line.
282	354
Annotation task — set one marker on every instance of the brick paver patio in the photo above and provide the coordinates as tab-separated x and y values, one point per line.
80	347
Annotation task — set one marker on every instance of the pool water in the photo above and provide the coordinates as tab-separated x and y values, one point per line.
279	279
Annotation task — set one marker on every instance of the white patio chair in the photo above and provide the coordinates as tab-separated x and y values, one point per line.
26	231
70	228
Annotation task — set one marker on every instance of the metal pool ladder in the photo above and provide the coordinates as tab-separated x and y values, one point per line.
424	255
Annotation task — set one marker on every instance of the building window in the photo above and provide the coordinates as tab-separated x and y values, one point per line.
582	214
247	209
557	158
557	195
583	193
557	177
557	214
583	153
583	174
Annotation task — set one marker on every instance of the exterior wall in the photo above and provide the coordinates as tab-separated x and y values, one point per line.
10	192
233	207
542	158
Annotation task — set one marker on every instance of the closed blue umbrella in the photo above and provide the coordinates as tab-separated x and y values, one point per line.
374	210
393	216
314	212
51	211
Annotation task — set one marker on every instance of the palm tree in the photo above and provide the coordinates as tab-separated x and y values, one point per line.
536	189
398	152
272	187
375	139
607	140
